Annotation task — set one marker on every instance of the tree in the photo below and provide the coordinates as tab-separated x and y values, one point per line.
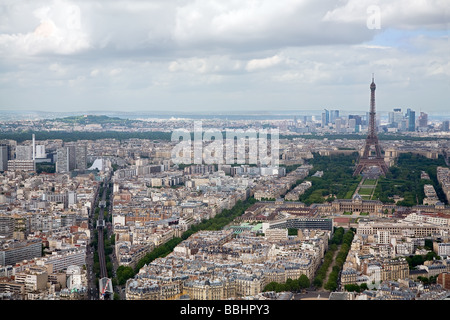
330	285
290	285
429	244
304	282
270	286
123	274
352	287
431	256
318	282
364	286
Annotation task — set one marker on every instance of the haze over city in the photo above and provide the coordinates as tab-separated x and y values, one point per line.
216	56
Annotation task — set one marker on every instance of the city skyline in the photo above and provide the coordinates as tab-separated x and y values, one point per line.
195	57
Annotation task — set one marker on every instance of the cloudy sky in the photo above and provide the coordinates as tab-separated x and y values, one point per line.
223	55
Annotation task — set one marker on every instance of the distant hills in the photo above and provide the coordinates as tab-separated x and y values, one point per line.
93	119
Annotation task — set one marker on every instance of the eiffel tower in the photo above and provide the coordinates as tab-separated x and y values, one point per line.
368	160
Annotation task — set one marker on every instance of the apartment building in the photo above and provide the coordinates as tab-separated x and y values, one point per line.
7	226
215	289
34	278
129	254
276	234
13	251
406	228
62	260
442	249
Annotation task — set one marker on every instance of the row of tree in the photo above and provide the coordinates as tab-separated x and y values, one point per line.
353	287
290	285
67	136
333	278
159	135
333	243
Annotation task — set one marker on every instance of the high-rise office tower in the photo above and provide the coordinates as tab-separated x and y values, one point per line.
338	124
391	117
325	118
12	144
423	120
71	157
352	125
24	153
445	125
4	157
40	151
358	119
411	120
65	161
334	114
80	157
7	225
329	116
397	117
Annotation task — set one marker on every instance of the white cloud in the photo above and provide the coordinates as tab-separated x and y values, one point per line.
95	72
258	64
194	65
58	69
206	65
233	21
58	30
114	72
243	53
394	14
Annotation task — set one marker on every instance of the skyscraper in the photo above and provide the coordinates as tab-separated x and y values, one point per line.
40	151
325	118
391	117
412	120
4	156
358	119
352	124
80	157
397	117
65	161
71	157
334	114
339	124
423	120
24	153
